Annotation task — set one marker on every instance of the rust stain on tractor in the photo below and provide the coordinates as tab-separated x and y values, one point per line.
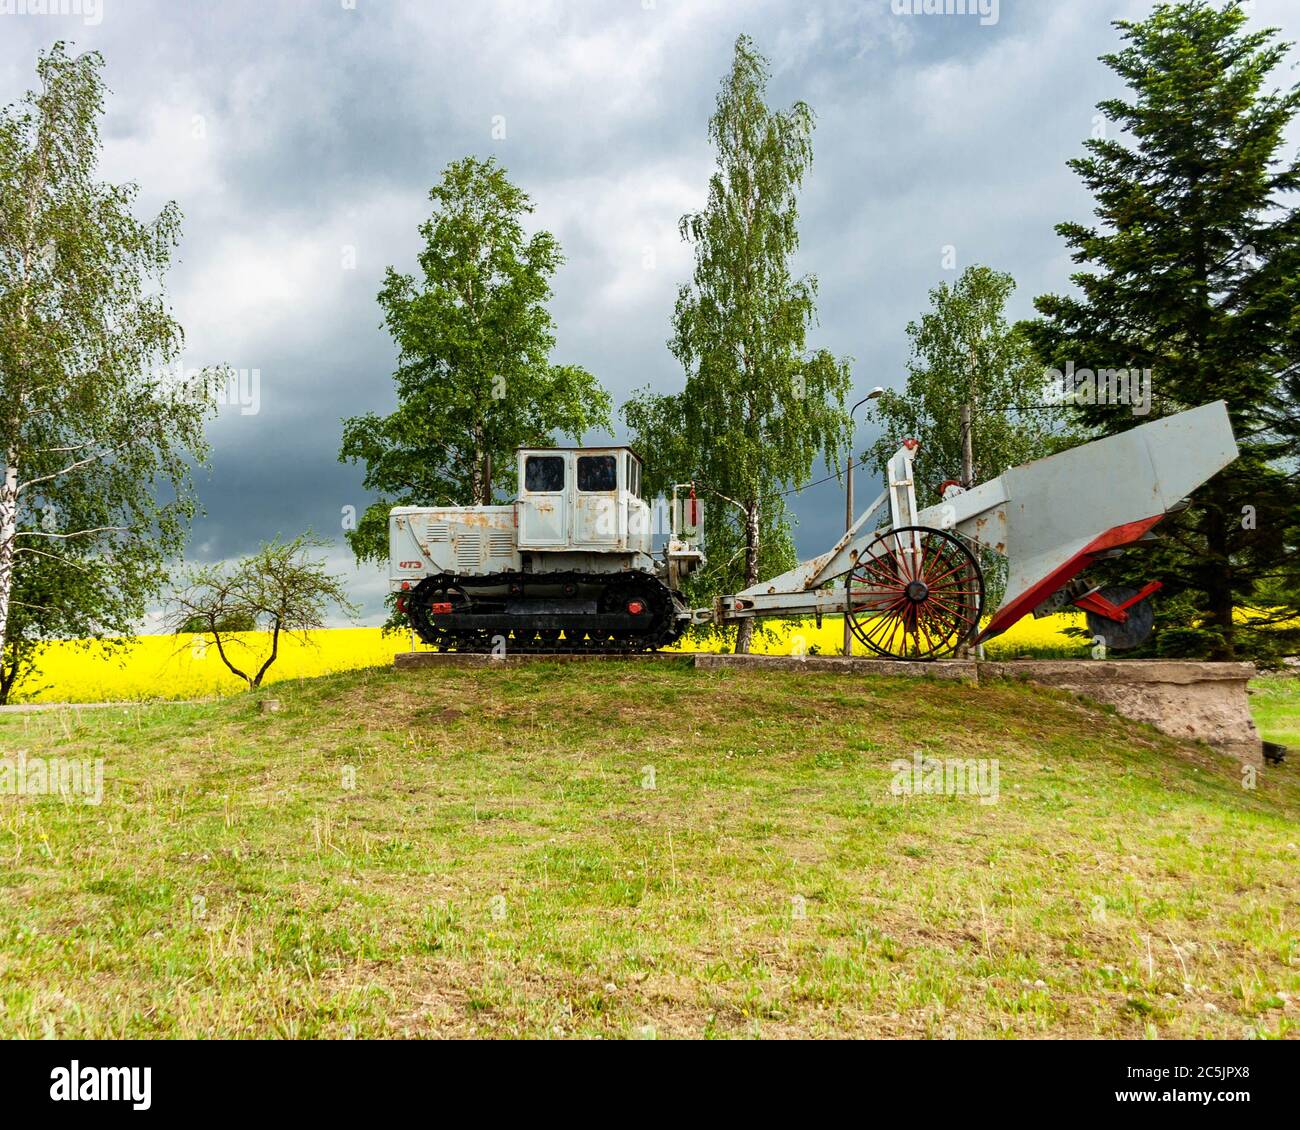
813	568
997	536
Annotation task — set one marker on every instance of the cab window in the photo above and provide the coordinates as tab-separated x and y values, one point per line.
543	473
633	476
597	472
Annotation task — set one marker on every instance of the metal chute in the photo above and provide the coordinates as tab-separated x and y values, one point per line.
1055	516
1050	519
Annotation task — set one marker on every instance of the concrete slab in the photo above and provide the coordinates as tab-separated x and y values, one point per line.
950	670
1185	699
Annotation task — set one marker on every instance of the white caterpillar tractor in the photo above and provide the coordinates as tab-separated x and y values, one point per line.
568	566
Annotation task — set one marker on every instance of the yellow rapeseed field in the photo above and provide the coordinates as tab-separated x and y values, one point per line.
188	666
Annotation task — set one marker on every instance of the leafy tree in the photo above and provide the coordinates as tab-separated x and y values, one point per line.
96	445
233	622
1192	271
56	597
474	379
758	408
964	352
280	588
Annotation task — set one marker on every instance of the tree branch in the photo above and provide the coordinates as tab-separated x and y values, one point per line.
73	466
74	534
221	651
52	557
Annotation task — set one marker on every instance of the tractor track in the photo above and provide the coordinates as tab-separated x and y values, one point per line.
455	631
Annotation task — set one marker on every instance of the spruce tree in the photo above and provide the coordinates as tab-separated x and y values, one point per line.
1191	270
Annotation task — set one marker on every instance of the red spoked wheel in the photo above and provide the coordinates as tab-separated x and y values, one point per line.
917	593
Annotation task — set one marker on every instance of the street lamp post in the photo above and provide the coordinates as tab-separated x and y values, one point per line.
874	394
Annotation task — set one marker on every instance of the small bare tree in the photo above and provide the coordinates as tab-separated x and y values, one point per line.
280	588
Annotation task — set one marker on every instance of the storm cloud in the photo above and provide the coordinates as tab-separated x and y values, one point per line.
300	141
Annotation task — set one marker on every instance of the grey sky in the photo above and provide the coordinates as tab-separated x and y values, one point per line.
298	136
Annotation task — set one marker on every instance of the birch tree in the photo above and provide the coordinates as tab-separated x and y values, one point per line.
97	440
964	352
759	407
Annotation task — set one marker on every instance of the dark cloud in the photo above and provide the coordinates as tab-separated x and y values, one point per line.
302	138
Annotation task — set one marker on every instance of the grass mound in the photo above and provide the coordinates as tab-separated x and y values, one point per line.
637	850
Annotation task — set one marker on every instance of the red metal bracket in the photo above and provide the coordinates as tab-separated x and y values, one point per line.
1095	602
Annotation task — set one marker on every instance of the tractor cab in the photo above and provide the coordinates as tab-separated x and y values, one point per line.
585	499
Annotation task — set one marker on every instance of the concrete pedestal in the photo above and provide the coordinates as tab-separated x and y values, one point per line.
1205	701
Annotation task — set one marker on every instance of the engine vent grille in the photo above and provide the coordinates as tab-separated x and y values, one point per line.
469	551
501	543
437	531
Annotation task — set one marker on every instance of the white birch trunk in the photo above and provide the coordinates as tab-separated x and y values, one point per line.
8	542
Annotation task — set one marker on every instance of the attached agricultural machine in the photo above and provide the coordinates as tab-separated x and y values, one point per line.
568	566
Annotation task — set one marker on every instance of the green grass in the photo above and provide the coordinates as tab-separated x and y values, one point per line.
1275	703
500	869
